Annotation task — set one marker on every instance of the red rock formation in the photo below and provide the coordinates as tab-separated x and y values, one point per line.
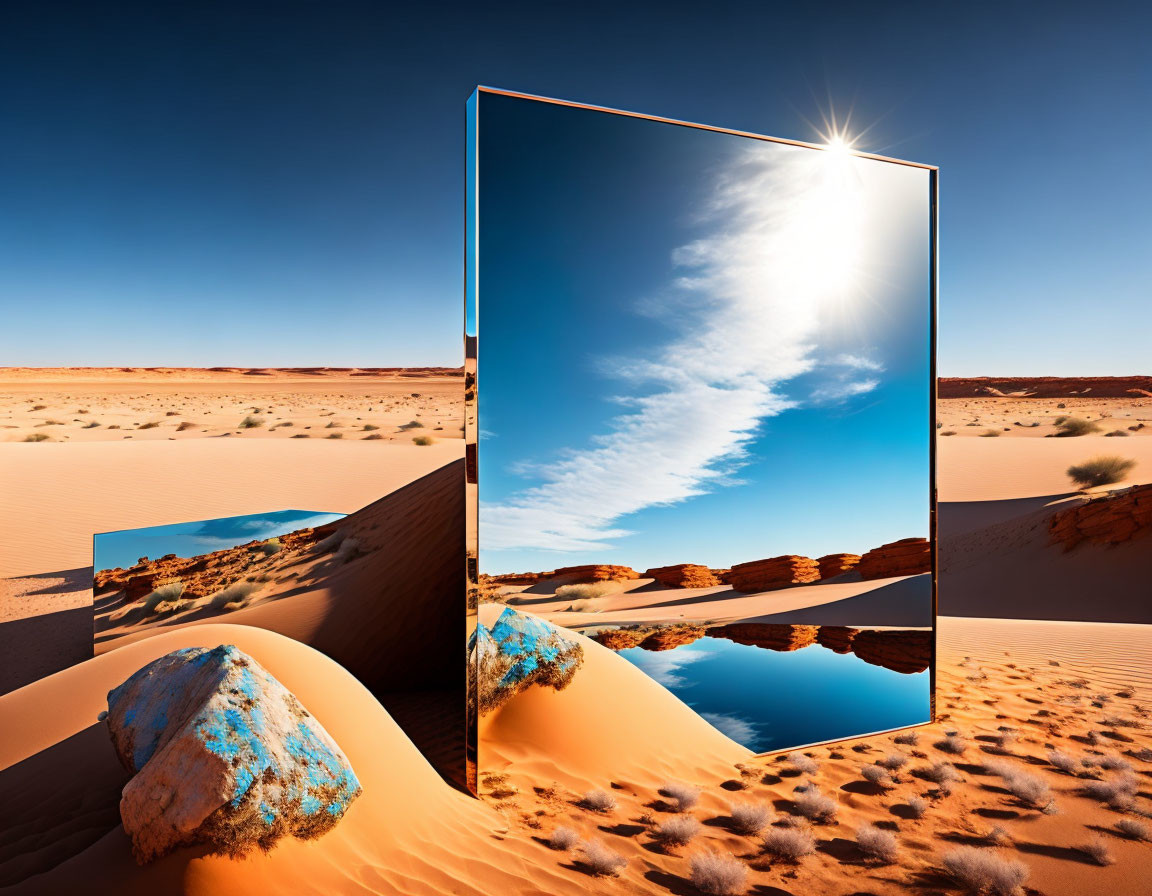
1109	519
769	635
835	564
1045	386
904	651
776	572
620	638
594	573
907	557
837	638
683	575
514	578
671	637
722	575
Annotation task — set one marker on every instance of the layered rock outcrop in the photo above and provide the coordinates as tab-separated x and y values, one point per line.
906	651
593	573
1109	519
834	564
517	652
775	572
683	575
837	638
222	754
620	638
907	557
1045	386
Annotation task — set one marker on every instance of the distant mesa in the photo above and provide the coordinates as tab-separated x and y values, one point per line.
1109	519
907	557
683	575
595	573
836	564
1044	387
775	572
222	754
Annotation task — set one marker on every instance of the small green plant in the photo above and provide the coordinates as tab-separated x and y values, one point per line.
1069	427
251	422
1103	470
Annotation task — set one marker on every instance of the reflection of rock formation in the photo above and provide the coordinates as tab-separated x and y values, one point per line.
907	557
835	564
775	572
837	638
517	652
900	651
683	575
222	755
620	638
1109	519
672	636
1045	386
768	635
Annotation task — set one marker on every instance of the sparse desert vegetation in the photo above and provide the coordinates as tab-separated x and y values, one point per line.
423	441
1102	470
876	843
598	801
683	796
751	818
602	860
788	844
984	871
1069	427
717	874
563	838
677	831
803	764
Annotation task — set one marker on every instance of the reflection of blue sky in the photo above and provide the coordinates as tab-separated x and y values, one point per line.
123	548
767	699
695	347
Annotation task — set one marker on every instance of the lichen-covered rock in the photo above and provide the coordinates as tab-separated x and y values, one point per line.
222	754
517	652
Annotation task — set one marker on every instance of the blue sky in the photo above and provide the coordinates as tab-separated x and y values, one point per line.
694	347
258	184
125	546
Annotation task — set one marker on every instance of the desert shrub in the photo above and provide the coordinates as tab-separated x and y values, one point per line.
36	437
815	806
997	836
878	843
1026	787
1133	829
336	435
677	831
939	773
718	875
601	860
585	591
598	801
271	546
874	774
950	432
983	871
370	427
1114	763
236	593
917	806
1116	433
1067	427
301	435
789	844
372	438
163	594
1097	850
424	441
1116	789
953	743
1004	740
893	761
907	739
803	764
563	838
150	425
1103	470
683	796
251	422
185	425
39	407
751	818
413	424
1065	762
990	434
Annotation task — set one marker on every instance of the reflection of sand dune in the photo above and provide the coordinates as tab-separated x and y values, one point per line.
61	787
377	594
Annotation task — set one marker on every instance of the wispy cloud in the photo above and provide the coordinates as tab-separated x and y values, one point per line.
740	730
665	665
746	303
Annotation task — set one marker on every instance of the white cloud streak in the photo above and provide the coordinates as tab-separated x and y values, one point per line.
746	306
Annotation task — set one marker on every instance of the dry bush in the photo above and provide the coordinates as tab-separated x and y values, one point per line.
1026	787
36	437
1114	763
1074	426
990	434
942	773
601	860
953	743
234	594
1097	851
789	844
717	874
751	818
271	546
683	796
163	594
563	838
984	871
878	843
804	764
893	761
1065	762
918	807
598	801
677	831
1125	785
907	739
586	590
1102	470
423	441
874	774
998	836
815	806
1133	829
251	423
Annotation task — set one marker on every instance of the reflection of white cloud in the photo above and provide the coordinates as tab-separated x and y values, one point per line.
740	730
665	665
784	245
262	529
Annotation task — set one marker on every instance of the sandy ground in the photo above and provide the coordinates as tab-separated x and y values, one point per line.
1013	417
411	833
142	405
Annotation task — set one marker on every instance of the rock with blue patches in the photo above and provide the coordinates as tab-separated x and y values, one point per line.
519	651
222	754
